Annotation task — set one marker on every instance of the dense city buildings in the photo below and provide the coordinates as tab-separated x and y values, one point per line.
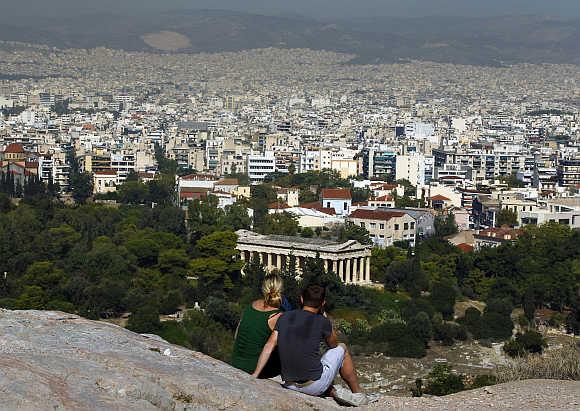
463	140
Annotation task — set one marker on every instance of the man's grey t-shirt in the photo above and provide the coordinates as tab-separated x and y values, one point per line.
299	335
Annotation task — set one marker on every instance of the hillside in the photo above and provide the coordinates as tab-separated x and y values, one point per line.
58	361
479	41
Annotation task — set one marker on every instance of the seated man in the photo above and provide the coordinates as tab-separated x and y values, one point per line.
298	335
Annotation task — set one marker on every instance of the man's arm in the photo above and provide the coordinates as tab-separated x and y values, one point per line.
266	353
332	340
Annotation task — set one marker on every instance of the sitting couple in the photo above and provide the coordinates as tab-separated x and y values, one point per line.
270	342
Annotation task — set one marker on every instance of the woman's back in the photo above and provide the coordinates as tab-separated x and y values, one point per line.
253	332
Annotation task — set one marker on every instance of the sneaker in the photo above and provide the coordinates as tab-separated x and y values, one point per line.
346	397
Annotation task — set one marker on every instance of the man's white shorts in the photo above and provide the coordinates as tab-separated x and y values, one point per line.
331	364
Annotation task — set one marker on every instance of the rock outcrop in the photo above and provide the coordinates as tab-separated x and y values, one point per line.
57	361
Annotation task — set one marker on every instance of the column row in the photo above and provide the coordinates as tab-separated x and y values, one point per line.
350	270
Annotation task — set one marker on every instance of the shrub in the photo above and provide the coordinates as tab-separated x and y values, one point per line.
529	342
145	320
562	364
483	381
442	381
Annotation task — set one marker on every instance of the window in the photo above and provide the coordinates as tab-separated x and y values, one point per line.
406	225
328	204
373	225
381	236
396	227
412	226
362	225
345	206
382	226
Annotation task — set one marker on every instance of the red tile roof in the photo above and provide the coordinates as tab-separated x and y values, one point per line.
375	214
318	207
466	248
14	148
336	194
439	197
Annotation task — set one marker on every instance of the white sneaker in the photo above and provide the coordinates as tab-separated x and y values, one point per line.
347	397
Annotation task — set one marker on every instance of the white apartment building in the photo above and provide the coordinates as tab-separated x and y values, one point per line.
260	165
411	167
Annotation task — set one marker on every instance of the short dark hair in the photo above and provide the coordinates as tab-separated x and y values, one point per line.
314	295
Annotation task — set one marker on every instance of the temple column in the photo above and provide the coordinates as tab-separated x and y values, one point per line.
243	255
261	257
368	270
269	261
341	270
335	266
279	262
348	271
325	265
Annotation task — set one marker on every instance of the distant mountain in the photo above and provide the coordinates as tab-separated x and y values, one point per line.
480	41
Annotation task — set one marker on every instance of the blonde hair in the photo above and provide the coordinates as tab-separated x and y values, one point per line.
272	290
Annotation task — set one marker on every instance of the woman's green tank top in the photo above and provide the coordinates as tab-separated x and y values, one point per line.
253	333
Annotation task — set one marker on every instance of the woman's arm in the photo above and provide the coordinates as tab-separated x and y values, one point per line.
266	353
273	320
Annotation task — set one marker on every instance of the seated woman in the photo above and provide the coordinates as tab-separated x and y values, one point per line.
256	326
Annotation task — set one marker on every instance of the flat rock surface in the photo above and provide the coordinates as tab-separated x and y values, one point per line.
57	361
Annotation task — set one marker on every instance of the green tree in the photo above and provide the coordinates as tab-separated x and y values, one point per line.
445	225
281	224
443	299
145	320
350	231
420	327
506	217
81	186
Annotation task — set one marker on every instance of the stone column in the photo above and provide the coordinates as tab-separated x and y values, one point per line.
269	261
348	271
279	262
243	255
261	257
367	277
325	265
355	266
341	270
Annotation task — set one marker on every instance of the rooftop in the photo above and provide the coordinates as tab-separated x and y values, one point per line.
299	243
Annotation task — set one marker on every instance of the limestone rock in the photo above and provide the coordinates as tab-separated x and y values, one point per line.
56	361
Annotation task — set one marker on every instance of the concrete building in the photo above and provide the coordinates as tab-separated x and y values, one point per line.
338	198
385	227
260	165
411	168
350	260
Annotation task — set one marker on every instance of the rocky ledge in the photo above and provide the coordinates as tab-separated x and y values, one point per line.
57	361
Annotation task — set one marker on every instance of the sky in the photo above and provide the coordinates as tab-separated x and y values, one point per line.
319	9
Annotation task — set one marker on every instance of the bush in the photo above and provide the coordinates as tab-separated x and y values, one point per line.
145	320
415	306
447	332
442	381
562	364
483	381
529	342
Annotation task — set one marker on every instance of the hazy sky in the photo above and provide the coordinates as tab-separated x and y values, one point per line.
315	8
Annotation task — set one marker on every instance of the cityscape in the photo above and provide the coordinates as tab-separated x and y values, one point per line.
159	189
